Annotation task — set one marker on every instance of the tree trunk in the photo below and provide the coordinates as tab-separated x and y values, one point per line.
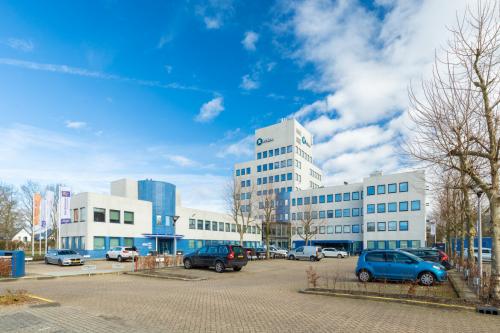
495	258
268	230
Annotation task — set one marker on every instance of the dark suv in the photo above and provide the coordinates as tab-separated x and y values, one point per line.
430	254
218	256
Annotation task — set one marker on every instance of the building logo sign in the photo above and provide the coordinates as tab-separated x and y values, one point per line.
304	141
260	141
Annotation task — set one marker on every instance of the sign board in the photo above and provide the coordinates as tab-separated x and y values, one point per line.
64	205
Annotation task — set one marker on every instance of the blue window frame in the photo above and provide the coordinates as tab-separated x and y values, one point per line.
329	214
355	196
403	206
276	178
293	202
380	189
403	225
283	177
403	187
338	197
346	212
264	154
415	205
338	213
259	168
329	198
271	153
370	208
392	188
355	228
238	172
380	226
289	176
248	171
370	190
322	214
321	199
392	226
392	207
381	208
259	156
355	212
347	196
314	200
299	201
271	166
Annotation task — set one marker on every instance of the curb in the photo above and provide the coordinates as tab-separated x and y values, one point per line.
165	277
390	299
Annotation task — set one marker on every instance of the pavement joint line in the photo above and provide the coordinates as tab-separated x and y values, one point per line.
390	299
41	298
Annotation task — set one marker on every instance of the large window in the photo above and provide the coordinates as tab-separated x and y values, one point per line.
221	226
415	205
329	198
321	229
403	244
114	242
338	197
114	216
199	224
228	227
192	224
338	229
355	228
355	212
99	215
129	242
370	226
403	206
214	226
392	207
403	225
321	199
381	226
403	187
370	190
99	243
338	213
207	225
371	245
346	212
329	214
370	208
392	226
392	188
347	196
307	200
346	229
329	229
314	200
83	214
380	189
355	196
392	245
322	214
128	217
381	208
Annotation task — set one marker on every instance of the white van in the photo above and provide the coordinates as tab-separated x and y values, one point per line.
312	253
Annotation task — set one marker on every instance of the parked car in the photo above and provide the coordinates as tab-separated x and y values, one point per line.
64	257
429	254
122	253
486	254
276	252
331	252
218	256
398	265
312	253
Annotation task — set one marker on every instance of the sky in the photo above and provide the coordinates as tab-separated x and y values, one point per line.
91	92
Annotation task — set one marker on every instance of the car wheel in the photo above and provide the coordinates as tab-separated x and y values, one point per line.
46	261
236	269
339	256
59	262
120	259
426	279
364	276
107	256
219	267
188	264
291	257
312	258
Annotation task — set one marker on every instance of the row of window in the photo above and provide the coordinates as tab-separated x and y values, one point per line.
221	226
242	172
115	215
246	183
274	179
329	214
392	207
73	243
387	226
303	154
392	244
391	188
274	152
276	191
100	242
275	165
339	197
329	229
314	174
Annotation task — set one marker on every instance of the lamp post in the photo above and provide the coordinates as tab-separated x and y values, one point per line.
174	219
479	194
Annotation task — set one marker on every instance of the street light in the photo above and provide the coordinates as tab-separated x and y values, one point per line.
479	194
174	219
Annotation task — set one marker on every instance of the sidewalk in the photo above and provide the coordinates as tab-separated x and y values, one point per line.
461	288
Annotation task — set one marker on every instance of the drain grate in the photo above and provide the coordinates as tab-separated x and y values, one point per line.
487	310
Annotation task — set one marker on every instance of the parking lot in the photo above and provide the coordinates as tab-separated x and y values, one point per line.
39	268
262	297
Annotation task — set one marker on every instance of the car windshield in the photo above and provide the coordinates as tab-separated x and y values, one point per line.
414	257
66	252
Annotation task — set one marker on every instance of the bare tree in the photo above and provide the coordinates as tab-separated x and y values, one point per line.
457	117
27	193
240	202
10	222
307	223
268	207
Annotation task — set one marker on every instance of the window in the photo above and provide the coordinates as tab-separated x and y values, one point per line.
370	245
228	227
276	152
248	171
99	215
314	200
221	226
214	226
380	189
338	213
264	154
416	244
370	190
338	229
264	180
370	208
283	150
392	188
233	227
99	243
75	215
259	168
283	164
114	216
321	229
403	206
329	229
403	225
329	214
338	197
370	226
83	214
322	214
381	226
271	166
200	225
128	217
392	245
299	201
346	212
415	205
242	172
264	167
392	207
347	196
392	226
271	153
289	176
321	199
289	162
289	149
293	202
355	229
346	229
329	198
355	212
114	242
248	183
381	245
276	178
238	172
307	200
355	195
207	225
283	177
403	187
192	224
381	208
299	230
375	256
403	244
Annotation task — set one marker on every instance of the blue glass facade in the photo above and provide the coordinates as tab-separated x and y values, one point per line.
162	196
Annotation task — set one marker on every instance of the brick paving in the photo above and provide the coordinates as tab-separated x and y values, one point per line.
262	297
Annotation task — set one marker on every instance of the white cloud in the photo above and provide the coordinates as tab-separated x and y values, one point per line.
182	160
215	12
75	124
240	148
164	40
168	69
210	110
249	83
250	39
20	44
270	66
212	22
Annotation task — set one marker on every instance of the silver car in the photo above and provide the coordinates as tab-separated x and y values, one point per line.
312	253
64	258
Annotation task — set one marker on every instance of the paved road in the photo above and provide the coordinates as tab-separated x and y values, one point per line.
261	298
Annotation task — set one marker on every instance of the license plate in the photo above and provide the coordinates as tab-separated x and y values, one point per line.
240	257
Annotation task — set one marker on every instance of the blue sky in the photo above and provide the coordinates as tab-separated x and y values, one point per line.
94	91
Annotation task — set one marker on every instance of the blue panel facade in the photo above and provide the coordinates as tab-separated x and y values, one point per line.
143	245
162	196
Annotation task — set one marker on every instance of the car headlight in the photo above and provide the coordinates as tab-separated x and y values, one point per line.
436	267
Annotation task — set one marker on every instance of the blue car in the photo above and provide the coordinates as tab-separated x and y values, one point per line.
398	265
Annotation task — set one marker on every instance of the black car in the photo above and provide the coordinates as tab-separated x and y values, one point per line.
430	254
218	256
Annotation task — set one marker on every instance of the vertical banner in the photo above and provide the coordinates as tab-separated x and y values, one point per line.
49	202
37	201
433	229
64	205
